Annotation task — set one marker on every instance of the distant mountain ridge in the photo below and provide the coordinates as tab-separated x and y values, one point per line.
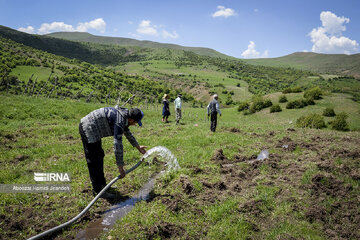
339	64
127	42
114	50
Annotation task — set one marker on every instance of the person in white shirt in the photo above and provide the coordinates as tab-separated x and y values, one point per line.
177	103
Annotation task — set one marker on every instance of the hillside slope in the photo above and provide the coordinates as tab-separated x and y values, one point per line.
125	42
339	64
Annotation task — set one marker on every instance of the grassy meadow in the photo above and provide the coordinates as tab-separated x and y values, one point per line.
308	188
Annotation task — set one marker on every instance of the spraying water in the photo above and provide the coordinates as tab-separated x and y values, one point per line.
171	161
119	210
264	154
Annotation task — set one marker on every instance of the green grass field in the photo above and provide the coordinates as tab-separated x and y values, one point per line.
220	191
205	74
40	73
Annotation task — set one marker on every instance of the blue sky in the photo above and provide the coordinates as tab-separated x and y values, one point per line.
239	28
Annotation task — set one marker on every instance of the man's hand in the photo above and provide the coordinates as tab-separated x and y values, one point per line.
142	149
121	171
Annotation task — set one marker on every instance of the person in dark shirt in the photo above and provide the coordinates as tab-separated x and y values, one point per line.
106	122
212	110
166	108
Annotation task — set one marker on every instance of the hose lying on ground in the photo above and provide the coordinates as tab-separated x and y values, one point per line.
43	234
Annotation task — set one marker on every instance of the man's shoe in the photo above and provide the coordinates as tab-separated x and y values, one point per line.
106	195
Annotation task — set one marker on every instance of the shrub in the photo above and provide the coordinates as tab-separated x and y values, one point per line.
313	93
312	121
296	104
292	90
340	123
309	101
267	103
296	89
259	103
282	99
329	112
286	90
243	106
275	108
246	112
229	100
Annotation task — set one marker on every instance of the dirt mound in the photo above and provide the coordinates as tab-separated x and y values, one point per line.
219	157
234	130
240	158
186	184
328	185
251	208
287	144
341	218
165	230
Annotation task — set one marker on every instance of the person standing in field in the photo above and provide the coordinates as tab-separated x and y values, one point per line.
212	110
102	123
166	108
177	103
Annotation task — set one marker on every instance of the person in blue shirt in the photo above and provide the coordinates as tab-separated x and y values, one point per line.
102	123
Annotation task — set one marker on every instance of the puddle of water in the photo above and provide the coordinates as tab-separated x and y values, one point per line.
263	155
116	212
119	210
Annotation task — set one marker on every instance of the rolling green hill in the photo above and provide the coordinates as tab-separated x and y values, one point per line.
126	42
339	64
180	70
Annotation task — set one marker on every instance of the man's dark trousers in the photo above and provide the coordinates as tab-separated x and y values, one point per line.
213	118
94	155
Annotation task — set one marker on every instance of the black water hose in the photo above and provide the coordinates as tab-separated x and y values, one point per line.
57	228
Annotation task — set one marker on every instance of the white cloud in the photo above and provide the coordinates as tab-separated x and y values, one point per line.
223	12
145	28
166	34
28	29
55	27
251	52
98	24
329	39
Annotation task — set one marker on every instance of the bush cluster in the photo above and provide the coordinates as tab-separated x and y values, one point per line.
243	106
275	108
329	112
312	121
259	103
340	123
292	90
282	99
300	103
313	93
